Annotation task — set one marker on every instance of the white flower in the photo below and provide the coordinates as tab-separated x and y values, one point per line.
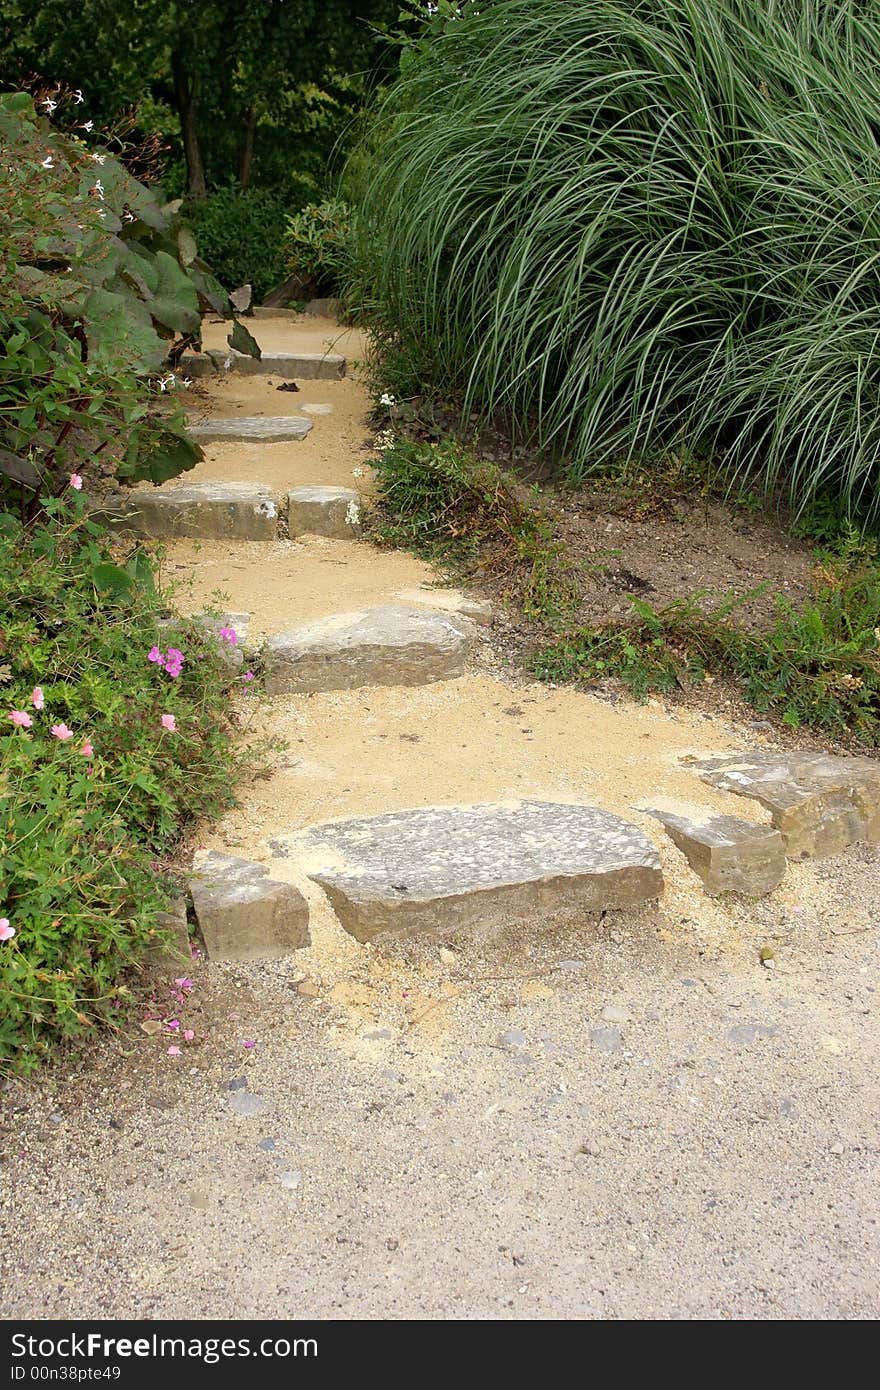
88	125
98	189
166	381
227	364
387	399
187	382
48	162
49	104
78	96
352	514
357	472
99	158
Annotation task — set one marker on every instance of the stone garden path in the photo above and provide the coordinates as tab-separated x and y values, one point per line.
477	1036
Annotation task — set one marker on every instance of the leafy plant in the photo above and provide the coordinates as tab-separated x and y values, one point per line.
818	667
639	227
114	734
99	280
316	245
447	505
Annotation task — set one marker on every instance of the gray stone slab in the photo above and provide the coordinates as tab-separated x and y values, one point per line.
388	645
445	868
205	511
730	855
265	429
324	511
245	915
305	366
819	803
195	364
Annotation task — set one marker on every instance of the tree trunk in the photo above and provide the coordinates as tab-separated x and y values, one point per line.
187	107
246	149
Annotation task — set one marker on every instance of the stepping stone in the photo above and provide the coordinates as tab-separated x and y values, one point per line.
818	803
205	511
307	366
478	610
316	408
444	868
267	429
324	511
196	364
389	645
730	855
245	915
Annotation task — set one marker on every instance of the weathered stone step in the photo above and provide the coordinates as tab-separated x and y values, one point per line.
203	511
730	855
324	511
388	645
447	868
266	429
242	913
306	366
818	803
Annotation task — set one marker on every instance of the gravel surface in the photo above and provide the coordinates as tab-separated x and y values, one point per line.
627	1119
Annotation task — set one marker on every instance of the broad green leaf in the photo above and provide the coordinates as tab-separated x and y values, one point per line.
241	340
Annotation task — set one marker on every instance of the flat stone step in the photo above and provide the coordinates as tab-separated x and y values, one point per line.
242	913
203	511
730	855
265	429
818	803
388	645
307	366
447	868
324	511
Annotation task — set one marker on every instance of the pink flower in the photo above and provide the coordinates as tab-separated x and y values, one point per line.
155	655
76	482
21	719
172	1025
248	676
188	1035
169	723
228	634
37	699
174	1052
87	750
248	1043
6	932
186	983
61	731
174	662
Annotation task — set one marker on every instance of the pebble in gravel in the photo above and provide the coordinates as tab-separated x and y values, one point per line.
606	1039
244	1103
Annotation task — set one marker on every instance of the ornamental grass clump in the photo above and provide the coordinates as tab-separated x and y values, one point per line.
641	227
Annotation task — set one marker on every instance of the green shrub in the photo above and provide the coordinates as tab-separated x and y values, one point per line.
98	282
94	789
316	246
241	235
639	227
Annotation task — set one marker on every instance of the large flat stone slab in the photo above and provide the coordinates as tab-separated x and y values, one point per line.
388	645
306	366
444	868
265	429
245	915
820	804
204	511
730	855
324	511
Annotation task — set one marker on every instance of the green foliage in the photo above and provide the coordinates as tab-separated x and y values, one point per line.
85	820
316	246
818	667
639	227
97	281
242	236
448	506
